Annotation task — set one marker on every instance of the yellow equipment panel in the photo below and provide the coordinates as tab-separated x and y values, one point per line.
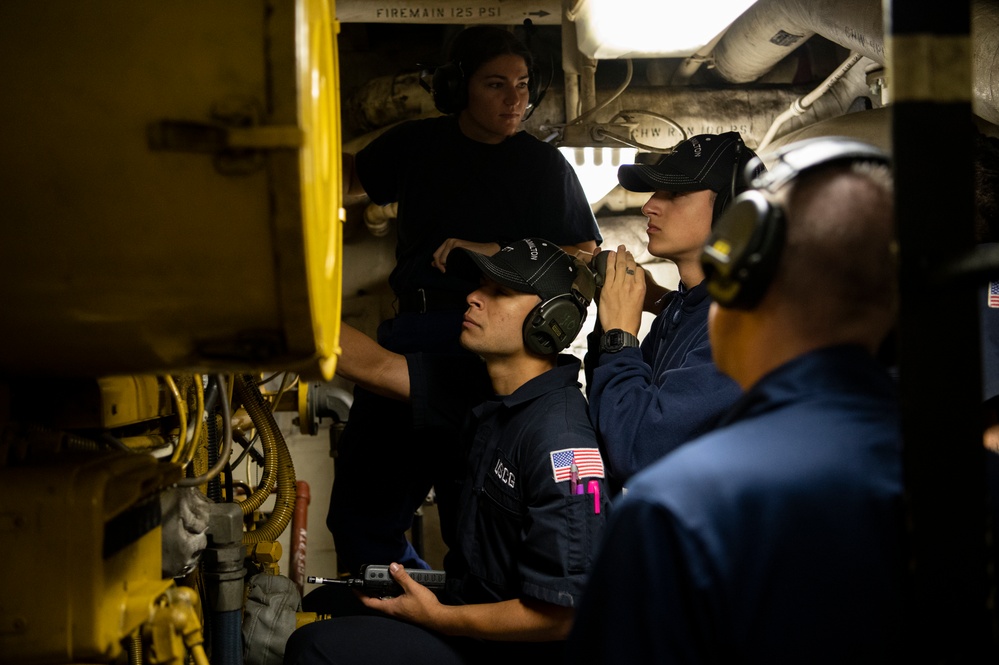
92	527
171	187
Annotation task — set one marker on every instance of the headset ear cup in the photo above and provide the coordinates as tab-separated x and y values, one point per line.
552	325
448	86
740	259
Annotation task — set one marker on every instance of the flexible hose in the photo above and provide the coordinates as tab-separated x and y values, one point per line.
135	650
192	446
799	106
181	414
227	638
248	394
212	435
226	444
617	93
263	420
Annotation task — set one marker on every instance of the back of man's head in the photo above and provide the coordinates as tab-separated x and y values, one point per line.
814	240
839	272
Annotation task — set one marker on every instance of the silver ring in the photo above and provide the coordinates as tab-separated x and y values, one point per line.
629	271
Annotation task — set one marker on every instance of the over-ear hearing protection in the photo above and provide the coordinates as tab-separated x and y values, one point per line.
725	197
738	182
743	252
553	324
449	87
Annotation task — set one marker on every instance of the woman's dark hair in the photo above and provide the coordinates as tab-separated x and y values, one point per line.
475	46
470	49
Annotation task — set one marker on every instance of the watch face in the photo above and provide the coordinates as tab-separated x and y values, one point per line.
612	340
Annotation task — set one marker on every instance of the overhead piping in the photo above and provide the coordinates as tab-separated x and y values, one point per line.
802	104
771	29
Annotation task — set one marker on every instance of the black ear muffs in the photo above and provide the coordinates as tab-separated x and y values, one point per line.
553	325
742	254
740	258
449	88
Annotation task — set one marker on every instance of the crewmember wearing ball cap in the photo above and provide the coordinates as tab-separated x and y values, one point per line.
779	537
521	550
648	398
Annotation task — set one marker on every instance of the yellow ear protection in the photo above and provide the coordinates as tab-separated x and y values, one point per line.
743	252
553	324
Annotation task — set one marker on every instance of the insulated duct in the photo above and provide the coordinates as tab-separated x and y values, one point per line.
771	29
697	110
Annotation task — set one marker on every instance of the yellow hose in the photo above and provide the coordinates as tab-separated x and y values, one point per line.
199	391
276	457
247	393
182	415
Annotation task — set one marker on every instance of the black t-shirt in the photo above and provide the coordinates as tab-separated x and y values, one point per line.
450	186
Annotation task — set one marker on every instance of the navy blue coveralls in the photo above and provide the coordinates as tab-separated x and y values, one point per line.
776	538
520	532
646	402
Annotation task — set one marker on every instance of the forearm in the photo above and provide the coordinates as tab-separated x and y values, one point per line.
507	621
372	366
353	191
584	251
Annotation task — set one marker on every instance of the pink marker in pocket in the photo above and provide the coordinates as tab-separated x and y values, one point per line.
593	487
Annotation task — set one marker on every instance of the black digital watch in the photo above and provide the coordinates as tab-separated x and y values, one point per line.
616	339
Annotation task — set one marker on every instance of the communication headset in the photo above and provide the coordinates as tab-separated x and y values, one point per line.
449	87
553	324
742	254
737	184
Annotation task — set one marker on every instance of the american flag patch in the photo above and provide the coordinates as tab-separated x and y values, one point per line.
587	461
993	294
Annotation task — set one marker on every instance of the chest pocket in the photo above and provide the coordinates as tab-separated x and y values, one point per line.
501	487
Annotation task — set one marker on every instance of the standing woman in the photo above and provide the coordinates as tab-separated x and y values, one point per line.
471	178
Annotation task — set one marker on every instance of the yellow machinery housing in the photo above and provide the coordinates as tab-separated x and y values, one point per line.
171	188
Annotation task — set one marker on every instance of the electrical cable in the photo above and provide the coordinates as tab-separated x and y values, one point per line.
182	415
800	105
247	449
282	390
198	421
226	443
617	93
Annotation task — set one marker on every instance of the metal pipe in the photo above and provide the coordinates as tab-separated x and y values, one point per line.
700	110
771	29
299	535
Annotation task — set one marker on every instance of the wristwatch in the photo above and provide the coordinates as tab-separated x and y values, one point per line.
614	340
